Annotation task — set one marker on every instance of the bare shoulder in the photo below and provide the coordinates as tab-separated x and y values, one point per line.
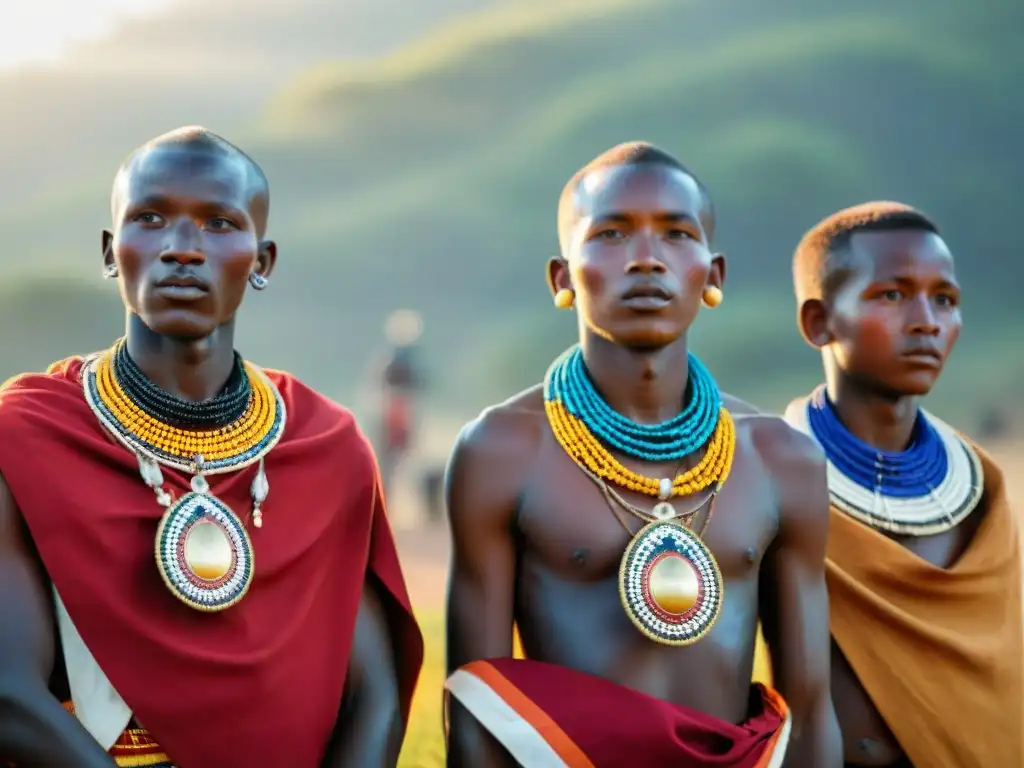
792	458
783	449
495	452
506	432
739	407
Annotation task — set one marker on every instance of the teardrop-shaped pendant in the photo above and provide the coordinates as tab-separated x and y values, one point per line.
670	585
203	552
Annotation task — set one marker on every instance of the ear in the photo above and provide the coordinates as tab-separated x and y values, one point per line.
266	258
558	275
812	318
716	275
106	245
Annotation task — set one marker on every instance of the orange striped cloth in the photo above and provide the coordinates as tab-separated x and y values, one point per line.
549	716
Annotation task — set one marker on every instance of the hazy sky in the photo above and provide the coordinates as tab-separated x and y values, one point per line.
39	31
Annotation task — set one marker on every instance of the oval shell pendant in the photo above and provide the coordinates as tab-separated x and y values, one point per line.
669	584
204	553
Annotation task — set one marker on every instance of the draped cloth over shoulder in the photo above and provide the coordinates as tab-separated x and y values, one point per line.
939	651
550	716
260	683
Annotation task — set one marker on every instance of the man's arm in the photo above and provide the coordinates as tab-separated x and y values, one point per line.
369	731
794	607
35	730
482	487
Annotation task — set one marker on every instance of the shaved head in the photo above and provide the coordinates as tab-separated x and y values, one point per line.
633	153
206	146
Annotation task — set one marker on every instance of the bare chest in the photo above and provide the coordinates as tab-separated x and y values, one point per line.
576	531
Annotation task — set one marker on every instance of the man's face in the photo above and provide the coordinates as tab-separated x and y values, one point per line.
895	320
184	239
638	257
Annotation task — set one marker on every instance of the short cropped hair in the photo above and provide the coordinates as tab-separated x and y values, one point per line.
819	263
629	153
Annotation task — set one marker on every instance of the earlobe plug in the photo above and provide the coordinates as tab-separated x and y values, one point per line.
565	298
712	297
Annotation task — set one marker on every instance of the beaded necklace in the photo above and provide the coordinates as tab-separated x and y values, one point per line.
230	404
202	548
680	436
926	489
670	585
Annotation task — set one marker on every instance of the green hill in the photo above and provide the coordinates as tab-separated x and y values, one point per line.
429	178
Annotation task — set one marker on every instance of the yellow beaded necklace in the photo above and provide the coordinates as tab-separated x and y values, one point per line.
578	441
227	448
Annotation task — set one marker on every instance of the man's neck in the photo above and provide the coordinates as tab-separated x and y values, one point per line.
191	369
646	386
885	423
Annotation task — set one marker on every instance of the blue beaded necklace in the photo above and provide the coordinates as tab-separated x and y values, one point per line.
917	471
568	382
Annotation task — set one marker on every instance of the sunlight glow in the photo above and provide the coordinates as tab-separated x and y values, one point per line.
40	32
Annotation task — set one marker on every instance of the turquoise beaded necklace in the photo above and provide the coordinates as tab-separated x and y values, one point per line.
568	382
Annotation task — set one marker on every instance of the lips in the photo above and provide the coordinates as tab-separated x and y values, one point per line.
923	352
647	291
928	356
183	281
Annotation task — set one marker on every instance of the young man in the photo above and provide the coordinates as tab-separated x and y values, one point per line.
638	621
194	555
923	566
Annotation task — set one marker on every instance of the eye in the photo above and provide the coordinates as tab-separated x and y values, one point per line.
148	217
608	234
946	300
219	223
892	295
679	234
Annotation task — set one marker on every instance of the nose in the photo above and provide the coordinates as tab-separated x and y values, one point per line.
922	319
643	255
184	244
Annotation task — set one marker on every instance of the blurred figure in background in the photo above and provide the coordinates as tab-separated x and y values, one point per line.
401	380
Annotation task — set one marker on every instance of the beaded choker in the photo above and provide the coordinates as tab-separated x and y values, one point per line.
670	585
202	549
585	425
927	489
230	404
569	383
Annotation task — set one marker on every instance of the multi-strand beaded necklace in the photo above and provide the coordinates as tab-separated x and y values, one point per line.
926	489
669	582
203	550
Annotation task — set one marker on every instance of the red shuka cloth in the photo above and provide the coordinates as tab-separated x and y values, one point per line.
259	684
595	723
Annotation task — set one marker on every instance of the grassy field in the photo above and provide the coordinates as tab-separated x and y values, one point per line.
424	741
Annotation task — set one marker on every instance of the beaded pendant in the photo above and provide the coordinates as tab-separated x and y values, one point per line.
203	552
669	584
202	549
